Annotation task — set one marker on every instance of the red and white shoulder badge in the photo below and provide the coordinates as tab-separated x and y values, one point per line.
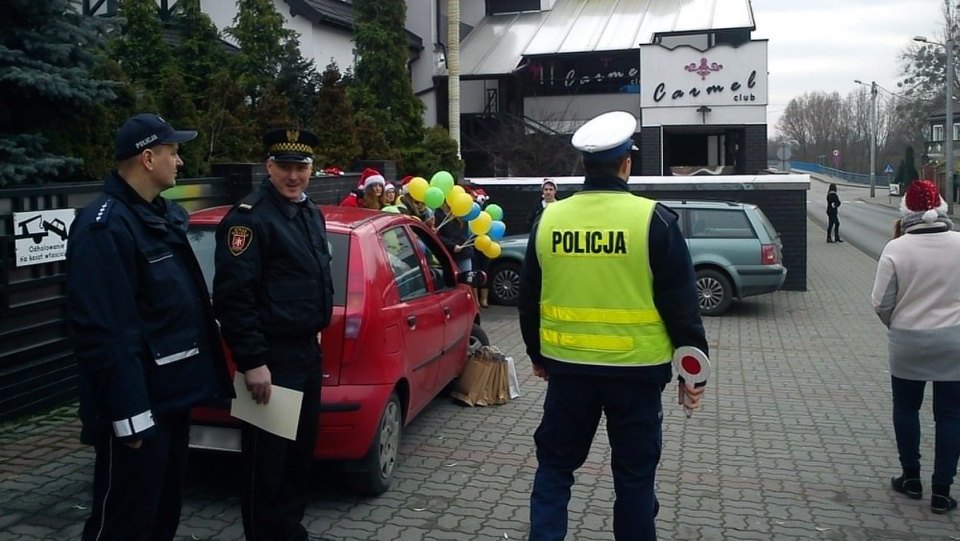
239	238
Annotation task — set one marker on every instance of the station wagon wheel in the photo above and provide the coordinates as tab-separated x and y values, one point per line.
372	475
714	292
505	283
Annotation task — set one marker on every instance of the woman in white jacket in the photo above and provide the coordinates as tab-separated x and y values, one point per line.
917	296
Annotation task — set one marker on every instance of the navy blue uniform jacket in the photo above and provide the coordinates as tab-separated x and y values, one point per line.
278	284
674	293
144	335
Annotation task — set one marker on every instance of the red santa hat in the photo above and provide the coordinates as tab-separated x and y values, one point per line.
405	184
480	196
369	177
923	198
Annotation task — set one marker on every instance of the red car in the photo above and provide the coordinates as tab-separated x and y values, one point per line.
403	321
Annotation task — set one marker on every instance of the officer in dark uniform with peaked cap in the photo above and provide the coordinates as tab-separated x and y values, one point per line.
145	339
273	294
605	350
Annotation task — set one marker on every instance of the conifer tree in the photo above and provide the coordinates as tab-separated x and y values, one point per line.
273	111
176	105
47	49
375	145
258	29
299	82
231	134
335	122
382	88
200	54
139	47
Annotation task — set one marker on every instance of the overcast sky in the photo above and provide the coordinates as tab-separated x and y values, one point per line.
823	45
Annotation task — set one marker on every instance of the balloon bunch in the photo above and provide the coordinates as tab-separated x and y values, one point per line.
486	225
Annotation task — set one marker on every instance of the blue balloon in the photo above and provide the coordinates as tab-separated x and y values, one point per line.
474	212
497	229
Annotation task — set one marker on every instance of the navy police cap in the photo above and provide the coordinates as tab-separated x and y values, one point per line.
606	137
291	145
144	131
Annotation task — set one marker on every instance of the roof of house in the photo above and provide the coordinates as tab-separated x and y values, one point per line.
338	13
332	12
498	43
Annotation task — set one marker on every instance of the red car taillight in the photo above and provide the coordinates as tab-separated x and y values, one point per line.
769	254
354	305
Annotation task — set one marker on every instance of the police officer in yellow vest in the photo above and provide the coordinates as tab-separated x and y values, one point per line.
607	292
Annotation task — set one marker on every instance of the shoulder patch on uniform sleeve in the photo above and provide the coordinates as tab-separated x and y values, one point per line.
239	238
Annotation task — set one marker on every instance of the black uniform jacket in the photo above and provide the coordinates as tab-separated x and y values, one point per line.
145	339
272	278
674	293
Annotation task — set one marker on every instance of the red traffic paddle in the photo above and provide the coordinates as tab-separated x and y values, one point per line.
693	367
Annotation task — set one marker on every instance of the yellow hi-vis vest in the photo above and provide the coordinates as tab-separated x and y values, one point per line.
596	301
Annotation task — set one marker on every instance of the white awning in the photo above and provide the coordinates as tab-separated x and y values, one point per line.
497	45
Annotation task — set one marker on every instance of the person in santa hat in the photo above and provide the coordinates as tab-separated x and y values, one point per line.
389	196
915	293
373	183
369	188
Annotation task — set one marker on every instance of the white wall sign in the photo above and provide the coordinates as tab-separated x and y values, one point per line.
40	236
688	77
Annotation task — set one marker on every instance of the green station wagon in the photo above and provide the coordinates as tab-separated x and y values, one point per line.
735	249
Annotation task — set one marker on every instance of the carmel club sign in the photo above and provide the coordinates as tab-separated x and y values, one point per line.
688	77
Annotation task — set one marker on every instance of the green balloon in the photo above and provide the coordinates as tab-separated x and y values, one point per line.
495	211
442	180
433	198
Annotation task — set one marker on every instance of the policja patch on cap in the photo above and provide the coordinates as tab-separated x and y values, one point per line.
606	137
291	145
144	131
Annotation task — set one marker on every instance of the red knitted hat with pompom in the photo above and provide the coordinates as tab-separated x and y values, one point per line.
921	196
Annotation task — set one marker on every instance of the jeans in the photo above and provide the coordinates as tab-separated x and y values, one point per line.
907	399
571	414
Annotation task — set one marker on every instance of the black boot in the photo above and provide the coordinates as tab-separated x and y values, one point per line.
829	240
941	502
911	486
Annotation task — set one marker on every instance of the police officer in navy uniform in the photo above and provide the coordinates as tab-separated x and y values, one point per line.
273	294
145	339
605	350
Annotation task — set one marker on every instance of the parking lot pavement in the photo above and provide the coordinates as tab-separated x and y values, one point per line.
794	442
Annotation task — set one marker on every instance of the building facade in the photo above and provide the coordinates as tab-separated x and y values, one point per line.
541	68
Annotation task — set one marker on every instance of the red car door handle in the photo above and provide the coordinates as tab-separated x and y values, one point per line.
446	311
411	321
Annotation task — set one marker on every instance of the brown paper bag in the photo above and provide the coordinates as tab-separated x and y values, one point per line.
484	381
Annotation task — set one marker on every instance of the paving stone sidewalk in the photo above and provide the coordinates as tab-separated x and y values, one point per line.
794	442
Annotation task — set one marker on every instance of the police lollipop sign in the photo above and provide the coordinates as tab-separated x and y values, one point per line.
693	367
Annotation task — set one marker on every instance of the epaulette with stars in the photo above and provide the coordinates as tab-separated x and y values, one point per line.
103	213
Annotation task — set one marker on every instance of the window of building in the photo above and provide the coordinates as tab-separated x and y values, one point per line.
937	134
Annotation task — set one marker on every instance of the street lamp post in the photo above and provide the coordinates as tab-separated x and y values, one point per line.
948	132
873	135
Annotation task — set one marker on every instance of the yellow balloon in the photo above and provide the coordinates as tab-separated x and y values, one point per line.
481	224
482	242
461	204
493	251
418	188
454	192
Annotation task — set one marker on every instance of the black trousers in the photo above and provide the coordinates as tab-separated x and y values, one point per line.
833	224
137	492
276	471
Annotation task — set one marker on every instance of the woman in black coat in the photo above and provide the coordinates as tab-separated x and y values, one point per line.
454	234
833	223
